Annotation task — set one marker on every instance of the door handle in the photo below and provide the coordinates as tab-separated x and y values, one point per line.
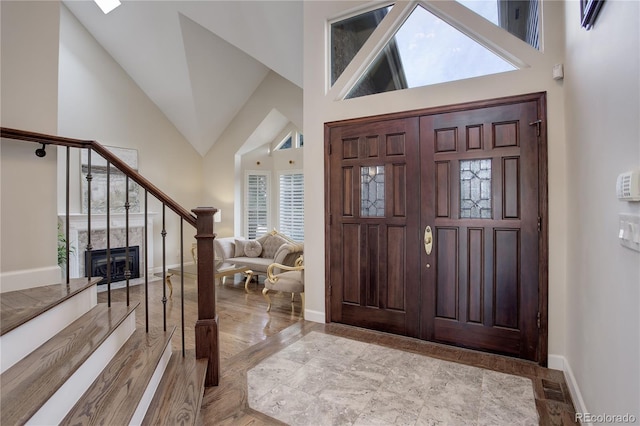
428	240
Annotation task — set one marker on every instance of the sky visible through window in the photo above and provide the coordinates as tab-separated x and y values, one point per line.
488	9
434	52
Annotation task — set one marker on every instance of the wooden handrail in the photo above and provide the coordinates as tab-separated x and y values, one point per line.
24	135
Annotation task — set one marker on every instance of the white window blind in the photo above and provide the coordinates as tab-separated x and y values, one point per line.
292	205
256	204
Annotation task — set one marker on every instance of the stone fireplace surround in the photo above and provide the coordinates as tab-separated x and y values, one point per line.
78	237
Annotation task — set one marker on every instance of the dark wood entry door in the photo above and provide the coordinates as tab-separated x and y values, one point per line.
480	198
470	176
374	217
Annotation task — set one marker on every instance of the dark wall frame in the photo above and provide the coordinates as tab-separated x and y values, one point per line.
589	10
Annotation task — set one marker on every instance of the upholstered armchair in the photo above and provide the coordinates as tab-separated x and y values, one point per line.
289	281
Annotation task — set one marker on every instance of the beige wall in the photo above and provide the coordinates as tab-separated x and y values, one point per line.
29	37
602	100
99	101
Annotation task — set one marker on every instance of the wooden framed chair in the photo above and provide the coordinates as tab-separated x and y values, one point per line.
291	280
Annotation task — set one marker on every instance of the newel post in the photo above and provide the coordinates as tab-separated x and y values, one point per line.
207	339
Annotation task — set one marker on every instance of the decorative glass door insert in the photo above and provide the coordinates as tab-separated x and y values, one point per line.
372	191
475	189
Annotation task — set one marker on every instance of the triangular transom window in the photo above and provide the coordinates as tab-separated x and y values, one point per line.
426	50
348	36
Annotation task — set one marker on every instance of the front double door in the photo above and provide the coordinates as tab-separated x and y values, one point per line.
434	226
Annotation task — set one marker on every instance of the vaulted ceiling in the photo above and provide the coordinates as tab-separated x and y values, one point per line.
199	61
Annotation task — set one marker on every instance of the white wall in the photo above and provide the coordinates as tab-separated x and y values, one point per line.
320	108
222	170
99	101
602	96
29	37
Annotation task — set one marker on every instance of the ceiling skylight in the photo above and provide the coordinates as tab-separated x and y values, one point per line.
107	5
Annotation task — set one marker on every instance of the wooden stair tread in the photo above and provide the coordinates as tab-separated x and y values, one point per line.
179	396
114	396
28	384
18	307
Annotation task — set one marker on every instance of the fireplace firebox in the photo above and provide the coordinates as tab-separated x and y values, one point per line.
118	260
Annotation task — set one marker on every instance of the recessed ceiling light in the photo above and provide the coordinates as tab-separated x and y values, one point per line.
107	5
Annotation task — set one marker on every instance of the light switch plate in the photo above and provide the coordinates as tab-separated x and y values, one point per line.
629	232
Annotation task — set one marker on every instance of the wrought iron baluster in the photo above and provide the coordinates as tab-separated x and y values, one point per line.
87	264
108	234
146	263
67	222
182	281
127	266
164	268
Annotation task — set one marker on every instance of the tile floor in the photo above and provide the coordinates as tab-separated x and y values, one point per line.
324	379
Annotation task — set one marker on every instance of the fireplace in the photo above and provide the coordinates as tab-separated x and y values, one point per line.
118	262
79	236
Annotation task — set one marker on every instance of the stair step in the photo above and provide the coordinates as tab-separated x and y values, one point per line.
29	384
179	396
18	307
114	396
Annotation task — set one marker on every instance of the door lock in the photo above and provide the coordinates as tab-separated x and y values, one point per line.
428	240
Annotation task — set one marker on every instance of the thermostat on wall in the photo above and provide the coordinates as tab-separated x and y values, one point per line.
628	186
558	72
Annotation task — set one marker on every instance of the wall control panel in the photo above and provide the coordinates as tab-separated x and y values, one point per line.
629	234
628	186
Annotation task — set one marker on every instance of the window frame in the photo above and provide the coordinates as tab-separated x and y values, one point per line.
295	141
284	229
268	213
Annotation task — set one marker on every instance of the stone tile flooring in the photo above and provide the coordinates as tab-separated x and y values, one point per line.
328	380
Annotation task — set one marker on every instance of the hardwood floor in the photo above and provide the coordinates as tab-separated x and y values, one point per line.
248	334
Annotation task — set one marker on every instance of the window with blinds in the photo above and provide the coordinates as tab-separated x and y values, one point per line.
292	205
256	204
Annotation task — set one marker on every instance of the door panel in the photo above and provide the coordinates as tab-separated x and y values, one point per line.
350	250
374	264
480	168
446	284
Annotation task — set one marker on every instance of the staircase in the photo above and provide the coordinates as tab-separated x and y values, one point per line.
67	359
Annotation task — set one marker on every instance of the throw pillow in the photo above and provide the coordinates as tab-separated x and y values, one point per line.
252	248
271	245
239	252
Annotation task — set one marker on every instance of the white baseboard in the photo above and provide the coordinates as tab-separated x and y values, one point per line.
28	278
315	316
559	362
555	362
